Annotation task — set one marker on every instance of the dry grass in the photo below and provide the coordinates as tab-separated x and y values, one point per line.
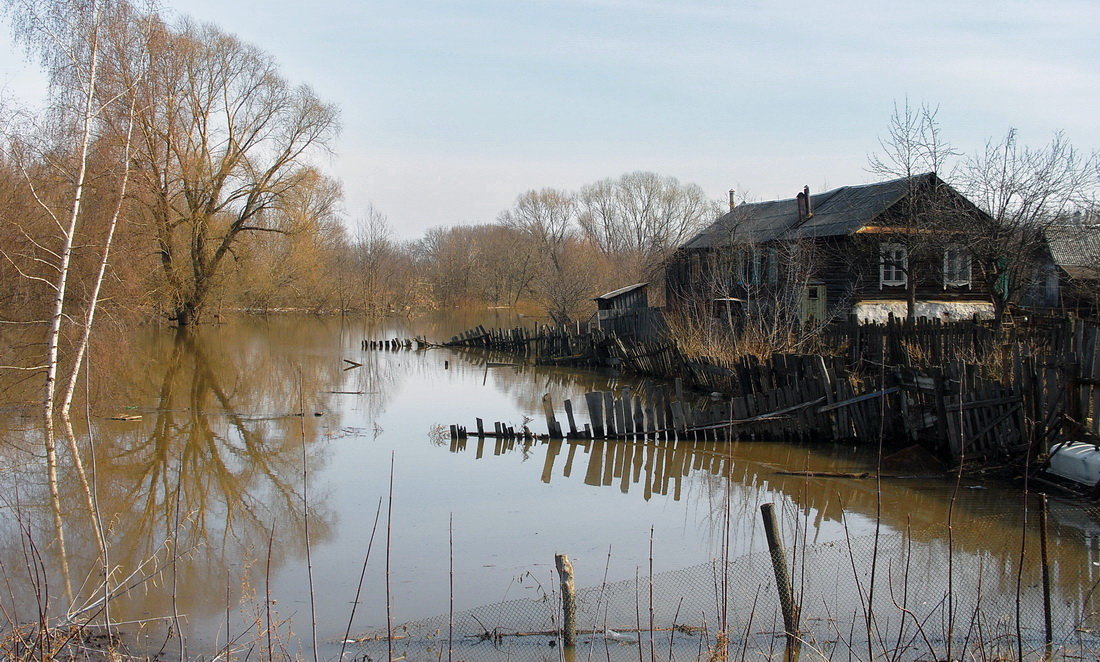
699	336
64	643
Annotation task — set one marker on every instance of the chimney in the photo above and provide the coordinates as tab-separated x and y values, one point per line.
805	211
733	202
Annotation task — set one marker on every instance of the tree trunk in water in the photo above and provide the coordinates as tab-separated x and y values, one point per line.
183	316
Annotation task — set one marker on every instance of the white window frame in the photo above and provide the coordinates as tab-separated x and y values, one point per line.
898	274
957	269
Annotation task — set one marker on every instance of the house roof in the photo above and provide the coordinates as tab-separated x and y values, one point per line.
619	292
838	212
1076	249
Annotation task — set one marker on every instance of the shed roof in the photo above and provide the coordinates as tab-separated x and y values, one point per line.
1076	249
619	292
838	212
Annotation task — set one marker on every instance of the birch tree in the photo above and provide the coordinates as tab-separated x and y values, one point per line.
67	38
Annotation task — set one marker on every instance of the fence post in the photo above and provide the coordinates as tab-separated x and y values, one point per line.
1049	631
782	581
568	600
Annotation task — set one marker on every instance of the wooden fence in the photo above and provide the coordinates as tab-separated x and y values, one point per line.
961	389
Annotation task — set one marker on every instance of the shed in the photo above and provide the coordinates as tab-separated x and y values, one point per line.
1075	253
626	312
624	298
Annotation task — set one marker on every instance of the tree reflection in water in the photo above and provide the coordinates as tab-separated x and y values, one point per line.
189	494
216	461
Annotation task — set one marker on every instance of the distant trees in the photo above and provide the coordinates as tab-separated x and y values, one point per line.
626	226
641	217
548	219
374	258
560	248
490	264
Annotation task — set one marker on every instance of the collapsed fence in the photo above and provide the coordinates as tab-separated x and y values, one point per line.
957	389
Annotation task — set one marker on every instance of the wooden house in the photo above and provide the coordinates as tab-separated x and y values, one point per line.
870	250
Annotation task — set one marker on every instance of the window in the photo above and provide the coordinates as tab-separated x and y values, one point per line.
893	263
773	265
956	267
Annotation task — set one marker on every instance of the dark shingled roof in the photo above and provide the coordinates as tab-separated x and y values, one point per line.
838	212
1076	249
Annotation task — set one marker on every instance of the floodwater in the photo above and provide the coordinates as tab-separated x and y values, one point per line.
218	497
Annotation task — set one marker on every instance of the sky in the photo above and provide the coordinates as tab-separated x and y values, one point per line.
451	109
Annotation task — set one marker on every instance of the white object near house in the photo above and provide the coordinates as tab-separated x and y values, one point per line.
880	311
1076	461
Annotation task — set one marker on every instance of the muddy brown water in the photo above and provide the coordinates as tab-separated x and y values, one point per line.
207	481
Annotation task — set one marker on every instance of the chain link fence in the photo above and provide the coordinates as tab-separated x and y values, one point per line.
872	597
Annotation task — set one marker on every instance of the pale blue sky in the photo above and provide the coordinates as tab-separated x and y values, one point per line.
450	109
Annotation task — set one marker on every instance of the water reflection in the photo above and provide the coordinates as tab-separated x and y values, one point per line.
231	417
212	464
919	507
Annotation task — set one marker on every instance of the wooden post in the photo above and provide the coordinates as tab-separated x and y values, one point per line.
1049	631
551	421
572	421
609	414
568	600
782	581
595	413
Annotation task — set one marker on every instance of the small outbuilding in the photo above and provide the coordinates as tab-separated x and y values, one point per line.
1075	253
624	298
626	312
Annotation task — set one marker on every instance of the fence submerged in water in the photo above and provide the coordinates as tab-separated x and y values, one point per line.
959	389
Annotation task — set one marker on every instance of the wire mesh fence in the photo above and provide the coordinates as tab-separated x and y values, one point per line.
871	597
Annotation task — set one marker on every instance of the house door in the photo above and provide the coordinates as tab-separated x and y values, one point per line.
813	303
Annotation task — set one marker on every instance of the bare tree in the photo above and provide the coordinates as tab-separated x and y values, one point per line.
1024	191
374	250
914	146
643	216
548	218
224	141
293	268
68	39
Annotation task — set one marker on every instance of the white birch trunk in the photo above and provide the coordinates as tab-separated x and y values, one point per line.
54	336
